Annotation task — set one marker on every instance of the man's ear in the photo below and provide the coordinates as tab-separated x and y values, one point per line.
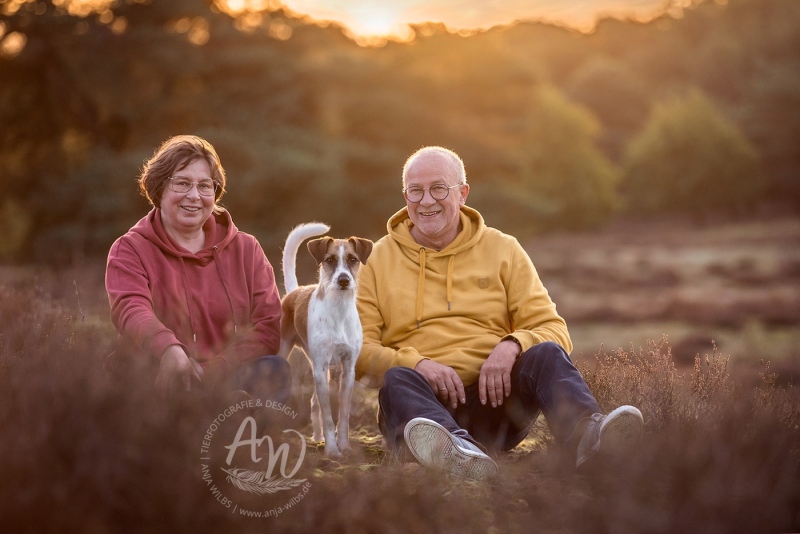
362	246
318	247
464	193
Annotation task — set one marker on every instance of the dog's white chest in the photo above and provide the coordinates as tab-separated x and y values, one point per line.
333	325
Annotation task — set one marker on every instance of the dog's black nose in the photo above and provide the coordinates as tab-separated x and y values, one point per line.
344	281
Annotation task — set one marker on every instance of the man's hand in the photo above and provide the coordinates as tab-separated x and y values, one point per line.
494	382
177	372
445	382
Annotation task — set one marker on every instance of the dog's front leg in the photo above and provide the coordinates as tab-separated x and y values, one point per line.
316	416
345	395
323	397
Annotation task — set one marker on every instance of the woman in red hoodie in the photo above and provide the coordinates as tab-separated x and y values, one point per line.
188	290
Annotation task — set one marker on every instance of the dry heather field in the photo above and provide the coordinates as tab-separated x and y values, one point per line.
733	285
82	452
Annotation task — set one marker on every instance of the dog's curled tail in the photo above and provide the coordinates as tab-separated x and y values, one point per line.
296	237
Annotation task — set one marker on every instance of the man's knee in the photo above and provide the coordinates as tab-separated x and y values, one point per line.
547	349
396	380
543	354
396	377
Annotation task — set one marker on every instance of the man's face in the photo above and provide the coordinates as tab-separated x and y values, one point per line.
435	221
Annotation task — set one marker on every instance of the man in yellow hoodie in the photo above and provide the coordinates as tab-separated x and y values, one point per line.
463	339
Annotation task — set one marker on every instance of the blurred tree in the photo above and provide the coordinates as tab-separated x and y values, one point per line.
312	126
553	52
771	117
690	158
615	94
92	93
563	179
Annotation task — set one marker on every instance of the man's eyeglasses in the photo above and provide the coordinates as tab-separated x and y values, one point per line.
438	192
183	185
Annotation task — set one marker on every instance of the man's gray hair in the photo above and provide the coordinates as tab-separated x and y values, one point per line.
454	163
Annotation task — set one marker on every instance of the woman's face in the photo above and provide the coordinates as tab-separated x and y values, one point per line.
187	212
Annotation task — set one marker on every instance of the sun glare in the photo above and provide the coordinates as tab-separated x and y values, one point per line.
378	21
374	22
367	22
371	22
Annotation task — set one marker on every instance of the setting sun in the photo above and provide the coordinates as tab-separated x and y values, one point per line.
372	23
378	21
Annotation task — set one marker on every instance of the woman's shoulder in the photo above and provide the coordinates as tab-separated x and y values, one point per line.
130	240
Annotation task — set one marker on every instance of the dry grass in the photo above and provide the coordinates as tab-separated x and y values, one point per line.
736	283
84	453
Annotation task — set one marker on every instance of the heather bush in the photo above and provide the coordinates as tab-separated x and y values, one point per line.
83	452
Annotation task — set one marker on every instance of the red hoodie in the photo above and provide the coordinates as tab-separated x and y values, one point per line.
220	304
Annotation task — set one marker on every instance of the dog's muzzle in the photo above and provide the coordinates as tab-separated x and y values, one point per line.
343	281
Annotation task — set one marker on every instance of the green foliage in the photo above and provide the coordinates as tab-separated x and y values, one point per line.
615	94
563	175
689	158
315	127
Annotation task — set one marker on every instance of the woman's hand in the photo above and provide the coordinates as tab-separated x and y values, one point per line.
177	372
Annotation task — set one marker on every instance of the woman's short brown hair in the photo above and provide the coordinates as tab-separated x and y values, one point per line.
173	155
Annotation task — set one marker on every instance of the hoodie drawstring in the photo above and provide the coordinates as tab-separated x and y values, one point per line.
225	286
449	282
188	301
421	284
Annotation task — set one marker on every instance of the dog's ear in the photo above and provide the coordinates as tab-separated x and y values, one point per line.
318	247
362	246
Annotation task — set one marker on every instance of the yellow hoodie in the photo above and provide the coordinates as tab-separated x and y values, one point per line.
452	306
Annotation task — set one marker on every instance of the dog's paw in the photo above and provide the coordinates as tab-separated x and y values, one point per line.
333	452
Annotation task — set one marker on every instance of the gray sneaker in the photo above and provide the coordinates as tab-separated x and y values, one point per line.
611	435
433	446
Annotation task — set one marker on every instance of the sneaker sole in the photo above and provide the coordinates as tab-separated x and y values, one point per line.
621	430
433	446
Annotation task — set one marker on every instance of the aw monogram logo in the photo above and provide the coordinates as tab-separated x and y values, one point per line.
242	471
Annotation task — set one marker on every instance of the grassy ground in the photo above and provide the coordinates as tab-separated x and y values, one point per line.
85	453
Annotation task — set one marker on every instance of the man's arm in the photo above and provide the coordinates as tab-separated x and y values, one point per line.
375	359
533	314
534	320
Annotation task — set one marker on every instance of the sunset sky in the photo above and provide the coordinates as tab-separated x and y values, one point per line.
387	17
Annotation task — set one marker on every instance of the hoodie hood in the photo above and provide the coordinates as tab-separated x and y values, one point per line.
219	230
472	229
399	228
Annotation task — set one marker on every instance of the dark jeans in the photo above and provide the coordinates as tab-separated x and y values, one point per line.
267	377
542	379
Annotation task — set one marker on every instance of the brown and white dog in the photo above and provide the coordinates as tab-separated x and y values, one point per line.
322	319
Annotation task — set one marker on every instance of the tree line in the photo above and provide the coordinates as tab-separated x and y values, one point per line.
558	129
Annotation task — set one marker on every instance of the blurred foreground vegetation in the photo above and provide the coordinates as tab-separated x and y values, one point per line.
558	129
83	452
